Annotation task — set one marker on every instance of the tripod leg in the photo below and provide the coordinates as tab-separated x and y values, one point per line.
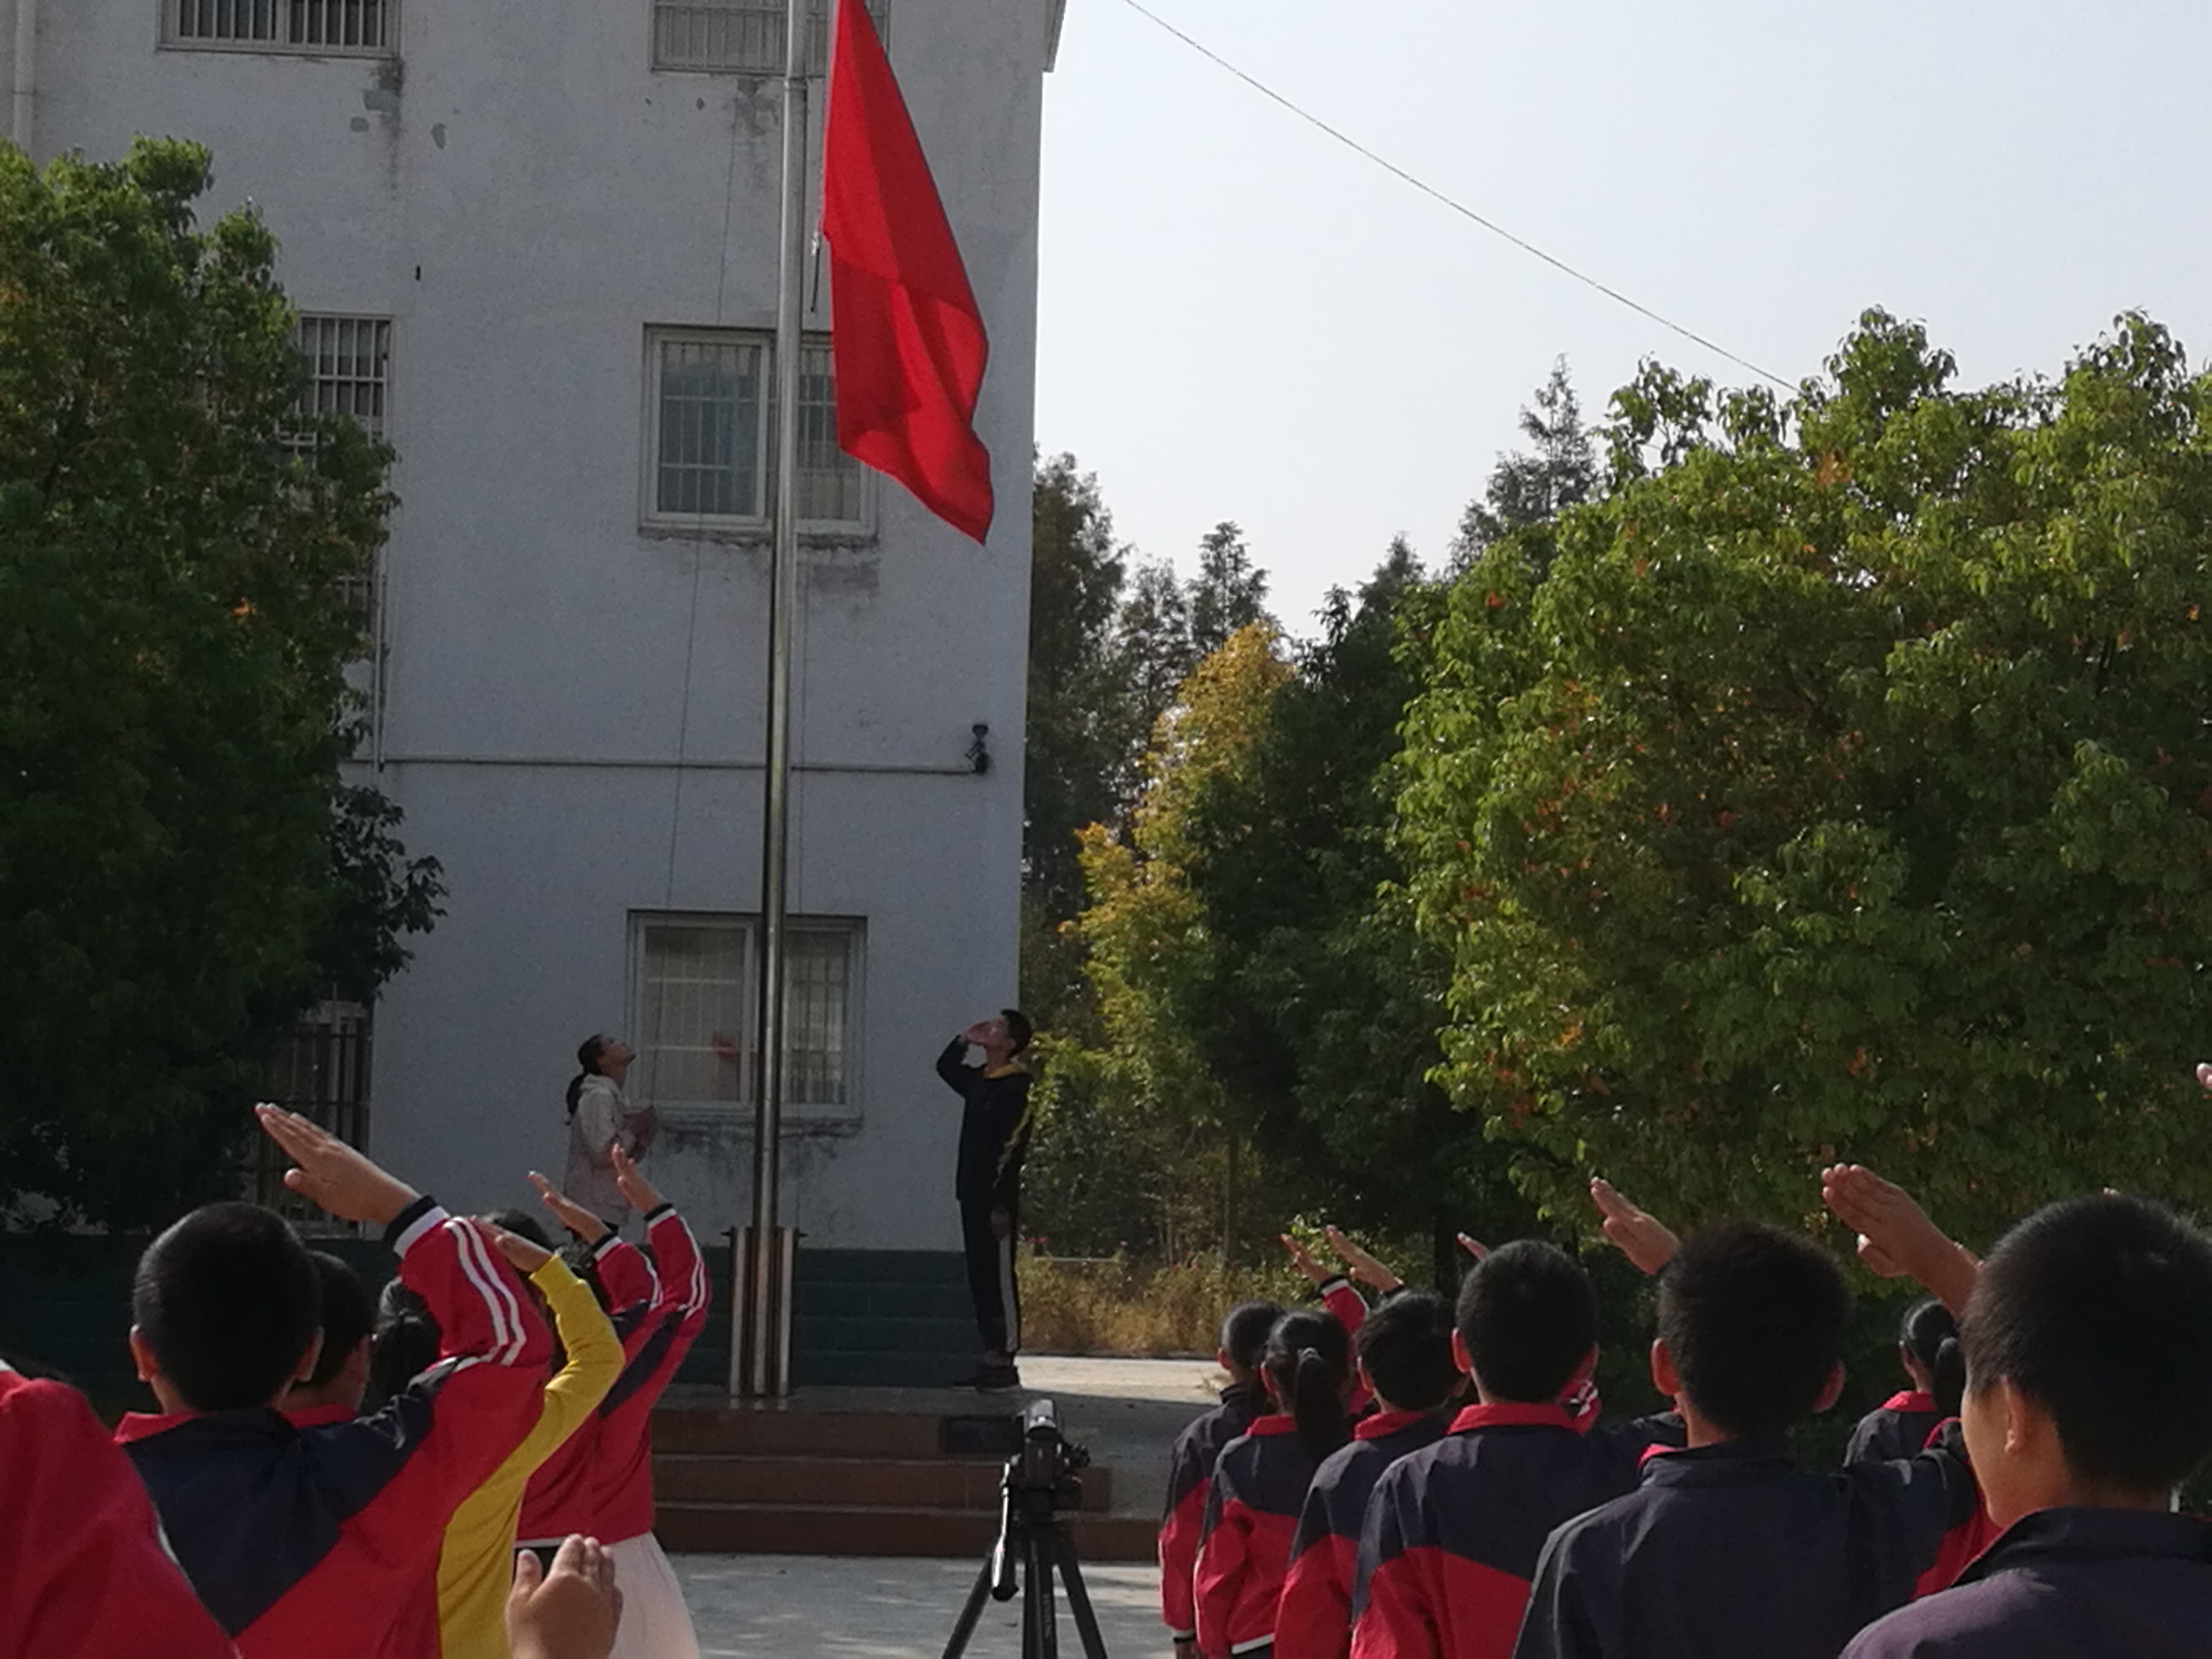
1078	1596
964	1627
1040	1634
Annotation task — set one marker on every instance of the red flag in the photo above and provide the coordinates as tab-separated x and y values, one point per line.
907	336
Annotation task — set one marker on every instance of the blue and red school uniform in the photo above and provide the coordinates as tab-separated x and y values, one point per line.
2065	1582
1453	1533
1733	1550
317	1539
1313	1620
1899	1427
1244	1546
82	1573
1190	1473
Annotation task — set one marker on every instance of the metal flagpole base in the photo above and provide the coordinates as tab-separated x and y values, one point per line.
749	1275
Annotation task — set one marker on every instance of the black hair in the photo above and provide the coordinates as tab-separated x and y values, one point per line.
1306	1363
1528	1318
1017	1028
228	1302
1931	1335
1755	1319
2099	1310
348	1315
405	1344
1405	1348
523	1225
1244	1333
587	1061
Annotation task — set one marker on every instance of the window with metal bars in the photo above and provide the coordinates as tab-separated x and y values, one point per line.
740	36
696	979
319	1068
710	418
347	363
358	27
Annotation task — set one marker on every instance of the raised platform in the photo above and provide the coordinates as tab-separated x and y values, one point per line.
913	1471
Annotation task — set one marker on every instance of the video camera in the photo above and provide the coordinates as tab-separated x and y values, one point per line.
1048	1462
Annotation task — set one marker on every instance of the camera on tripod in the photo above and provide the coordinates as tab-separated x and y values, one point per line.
1048	1462
1044	1478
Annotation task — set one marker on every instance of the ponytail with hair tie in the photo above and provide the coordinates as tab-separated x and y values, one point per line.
1308	1367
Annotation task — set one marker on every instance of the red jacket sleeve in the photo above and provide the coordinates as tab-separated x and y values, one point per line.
1223	1547
483	1395
625	1275
1341	1297
1179	1535
83	1571
679	1310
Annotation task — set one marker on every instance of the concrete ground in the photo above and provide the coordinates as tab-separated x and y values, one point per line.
789	1606
1128	1411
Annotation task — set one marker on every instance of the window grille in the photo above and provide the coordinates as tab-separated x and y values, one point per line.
712	407
348	371
353	26
319	1069
742	37
696	978
349	362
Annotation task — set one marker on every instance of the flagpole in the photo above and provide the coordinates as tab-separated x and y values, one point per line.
764	1371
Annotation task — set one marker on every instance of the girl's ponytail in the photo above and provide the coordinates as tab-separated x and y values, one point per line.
1948	1376
1309	1363
587	1056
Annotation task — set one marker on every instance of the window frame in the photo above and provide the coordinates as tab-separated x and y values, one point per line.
853	930
656	521
772	64
173	39
360	594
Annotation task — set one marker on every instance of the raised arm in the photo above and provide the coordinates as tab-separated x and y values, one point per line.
1636	1234
1896	1238
952	1066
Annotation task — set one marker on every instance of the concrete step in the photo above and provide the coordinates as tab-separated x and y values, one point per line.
812	1267
931	1483
988	1435
834	1529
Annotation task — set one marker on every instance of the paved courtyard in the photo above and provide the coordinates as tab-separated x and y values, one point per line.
792	1607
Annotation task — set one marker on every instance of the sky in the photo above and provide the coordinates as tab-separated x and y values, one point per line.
1242	319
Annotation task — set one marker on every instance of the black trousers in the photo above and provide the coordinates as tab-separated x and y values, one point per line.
991	1279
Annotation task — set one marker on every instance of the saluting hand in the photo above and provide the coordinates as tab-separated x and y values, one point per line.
573	1216
1636	1234
331	1174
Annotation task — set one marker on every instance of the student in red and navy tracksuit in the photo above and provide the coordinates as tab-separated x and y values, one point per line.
1928	1347
600	1482
1191	1468
2088	1340
1404	1353
1727	1548
314	1540
1259	1485
82	1573
1453	1533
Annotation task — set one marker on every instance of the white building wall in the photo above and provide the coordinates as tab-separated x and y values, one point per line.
525	196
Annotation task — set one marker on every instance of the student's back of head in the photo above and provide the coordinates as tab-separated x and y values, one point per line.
348	1317
226	1305
1755	1320
1527	1320
406	1342
1929	1337
2099	1311
1308	1365
1404	1347
1244	1336
522	1224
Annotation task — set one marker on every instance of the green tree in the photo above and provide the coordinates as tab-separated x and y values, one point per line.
180	870
1533	486
1078	741
1228	593
1843	790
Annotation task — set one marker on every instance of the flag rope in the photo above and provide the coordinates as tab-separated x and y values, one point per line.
1456	206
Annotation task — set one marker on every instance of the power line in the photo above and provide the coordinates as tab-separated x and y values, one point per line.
1456	206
